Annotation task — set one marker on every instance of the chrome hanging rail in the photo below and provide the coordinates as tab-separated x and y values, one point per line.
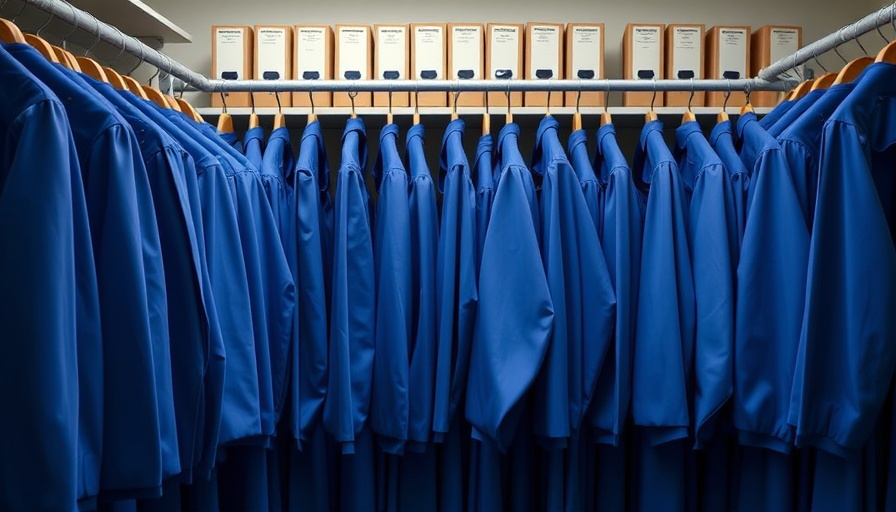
105	32
852	31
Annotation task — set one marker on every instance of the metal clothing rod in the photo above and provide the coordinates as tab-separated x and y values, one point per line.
871	22
111	35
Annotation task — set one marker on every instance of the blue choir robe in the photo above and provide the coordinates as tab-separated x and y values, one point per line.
846	362
776	113
799	108
392	263
253	146
486	170
515	316
771	284
713	241
417	473
352	324
126	250
40	315
584	310
723	143
664	343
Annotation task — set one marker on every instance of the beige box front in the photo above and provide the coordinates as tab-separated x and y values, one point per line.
313	61
684	61
504	59
232	60
544	61
353	61
642	52
769	44
429	49
585	60
466	59
391	49
727	57
273	61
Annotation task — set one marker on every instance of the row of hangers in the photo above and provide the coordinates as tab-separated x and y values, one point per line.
11	33
851	69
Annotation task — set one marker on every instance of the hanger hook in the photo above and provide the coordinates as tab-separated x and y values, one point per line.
139	62
46	22
507	94
351	96
486	102
416	99
691	98
97	40
311	100
279	106
547	109
74	25
390	99
121	52
815	56
881	34
21	9
747	90
727	95
607	95
579	96
252	100
149	82
855	36
653	100
223	102
837	48
456	95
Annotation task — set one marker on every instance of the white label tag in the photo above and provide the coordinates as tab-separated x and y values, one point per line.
272	53
311	48
505	50
429	53
687	43
586	52
229	58
732	53
466	52
545	52
354	53
645	52
784	42
391	49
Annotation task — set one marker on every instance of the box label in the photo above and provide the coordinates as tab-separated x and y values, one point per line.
646	52
311	45
687	45
733	53
229	48
272	53
429	53
504	46
466	52
391	50
784	42
545	52
354	52
586	51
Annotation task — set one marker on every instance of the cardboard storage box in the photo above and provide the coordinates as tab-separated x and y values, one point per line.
727	57
273	61
504	59
585	60
544	61
769	44
391	61
466	59
684	61
354	44
429	47
642	52
313	61
232	60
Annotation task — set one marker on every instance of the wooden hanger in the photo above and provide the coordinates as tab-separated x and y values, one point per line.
723	114
225	121
66	59
10	33
605	117
312	117
154	95
486	118
43	47
854	68
508	117
389	117
577	115
134	87
801	90
651	114
689	116
416	117
824	81
279	118
171	102
887	53
253	116
454	110
188	109
747	108
351	96
92	68
115	79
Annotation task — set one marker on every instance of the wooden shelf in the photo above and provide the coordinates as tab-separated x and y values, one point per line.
135	18
334	117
